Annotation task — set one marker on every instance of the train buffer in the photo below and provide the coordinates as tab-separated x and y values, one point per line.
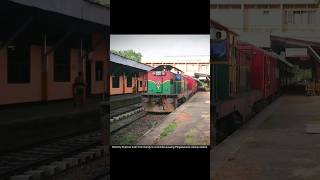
189	124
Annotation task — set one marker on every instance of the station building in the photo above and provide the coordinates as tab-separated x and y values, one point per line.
127	76
256	20
44	44
188	64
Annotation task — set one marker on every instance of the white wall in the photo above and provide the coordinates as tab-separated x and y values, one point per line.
232	18
260	22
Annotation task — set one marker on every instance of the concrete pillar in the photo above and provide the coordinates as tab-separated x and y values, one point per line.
44	70
124	83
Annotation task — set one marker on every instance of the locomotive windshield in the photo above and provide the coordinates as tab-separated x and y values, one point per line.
218	47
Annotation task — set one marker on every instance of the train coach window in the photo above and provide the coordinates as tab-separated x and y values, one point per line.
99	70
18	66
115	82
129	81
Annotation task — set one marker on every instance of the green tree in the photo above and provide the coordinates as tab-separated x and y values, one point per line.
130	54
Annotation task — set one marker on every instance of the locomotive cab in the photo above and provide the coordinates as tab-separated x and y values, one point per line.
167	89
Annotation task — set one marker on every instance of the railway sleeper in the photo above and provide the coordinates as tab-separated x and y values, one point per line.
62	165
22	177
126	115
49	170
72	161
36	174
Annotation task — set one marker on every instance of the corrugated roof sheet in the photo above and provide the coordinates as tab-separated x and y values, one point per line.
128	62
280	58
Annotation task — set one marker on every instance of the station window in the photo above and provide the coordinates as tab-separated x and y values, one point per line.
300	17
129	81
140	83
203	68
115	82
18	66
62	65
266	12
99	71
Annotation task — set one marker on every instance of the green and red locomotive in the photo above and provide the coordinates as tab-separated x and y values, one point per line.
168	87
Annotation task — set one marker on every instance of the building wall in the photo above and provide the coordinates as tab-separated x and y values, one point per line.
62	90
256	20
123	89
114	91
99	54
32	92
228	17
129	89
20	93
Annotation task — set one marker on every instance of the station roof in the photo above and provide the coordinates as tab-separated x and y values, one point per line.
289	42
294	41
164	66
314	54
219	26
280	58
115	58
90	10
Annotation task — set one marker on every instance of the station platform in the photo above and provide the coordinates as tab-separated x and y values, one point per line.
189	124
26	124
114	98
281	142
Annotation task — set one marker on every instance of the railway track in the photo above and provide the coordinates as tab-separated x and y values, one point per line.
43	161
128	126
122	117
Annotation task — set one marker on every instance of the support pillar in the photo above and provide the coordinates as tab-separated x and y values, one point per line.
44	71
124	83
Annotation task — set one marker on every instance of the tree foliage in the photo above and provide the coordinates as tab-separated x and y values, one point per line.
130	54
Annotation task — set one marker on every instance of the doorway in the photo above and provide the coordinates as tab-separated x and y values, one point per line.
137	86
88	77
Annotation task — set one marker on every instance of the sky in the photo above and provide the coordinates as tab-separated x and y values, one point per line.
157	46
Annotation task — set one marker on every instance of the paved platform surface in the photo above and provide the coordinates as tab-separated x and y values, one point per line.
273	145
192	120
35	111
124	97
33	123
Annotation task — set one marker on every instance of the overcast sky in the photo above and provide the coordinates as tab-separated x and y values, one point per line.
157	46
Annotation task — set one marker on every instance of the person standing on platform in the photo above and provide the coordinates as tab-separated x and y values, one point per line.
79	90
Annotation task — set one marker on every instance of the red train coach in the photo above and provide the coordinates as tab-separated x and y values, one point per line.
191	85
258	82
265	67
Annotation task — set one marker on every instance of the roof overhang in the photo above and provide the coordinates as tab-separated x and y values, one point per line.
80	9
165	66
127	62
280	58
289	42
314	54
293	41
